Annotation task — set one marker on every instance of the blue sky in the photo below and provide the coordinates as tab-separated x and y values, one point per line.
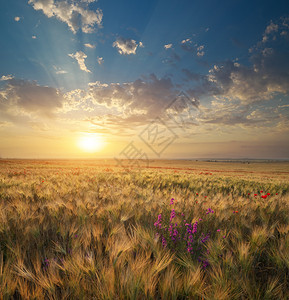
109	68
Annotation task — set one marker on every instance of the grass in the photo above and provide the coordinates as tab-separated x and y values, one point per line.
85	230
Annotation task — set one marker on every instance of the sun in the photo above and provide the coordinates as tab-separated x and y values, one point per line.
90	143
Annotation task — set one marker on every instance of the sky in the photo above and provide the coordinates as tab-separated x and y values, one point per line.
144	79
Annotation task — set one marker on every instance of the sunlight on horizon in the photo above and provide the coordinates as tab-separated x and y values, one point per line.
91	143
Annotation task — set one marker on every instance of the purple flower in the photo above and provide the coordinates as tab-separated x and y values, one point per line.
195	227
203	240
173	214
209	210
171	229
158	222
189	228
172	201
204	262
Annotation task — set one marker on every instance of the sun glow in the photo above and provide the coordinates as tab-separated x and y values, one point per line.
90	143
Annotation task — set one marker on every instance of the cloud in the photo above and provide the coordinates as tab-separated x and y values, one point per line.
126	46
232	114
200	50
59	70
187	45
224	113
266	74
76	15
89	46
5	124
100	60
186	41
34	37
269	29
126	105
168	46
149	96
20	96
80	58
6	77
17	19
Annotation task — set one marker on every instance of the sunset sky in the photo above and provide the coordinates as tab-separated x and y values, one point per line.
162	79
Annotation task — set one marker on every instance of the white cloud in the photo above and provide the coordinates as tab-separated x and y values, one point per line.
187	45
200	51
267	76
226	112
150	95
126	46
271	28
186	41
22	97
98	84
76	15
168	46
17	19
6	77
263	79
100	60
59	70
89	46
34	37
80	58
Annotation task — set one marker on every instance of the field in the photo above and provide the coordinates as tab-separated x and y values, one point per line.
175	230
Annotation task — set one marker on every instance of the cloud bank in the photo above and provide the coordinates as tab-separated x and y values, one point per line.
25	97
75	14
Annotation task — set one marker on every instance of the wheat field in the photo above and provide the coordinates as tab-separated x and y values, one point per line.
174	230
